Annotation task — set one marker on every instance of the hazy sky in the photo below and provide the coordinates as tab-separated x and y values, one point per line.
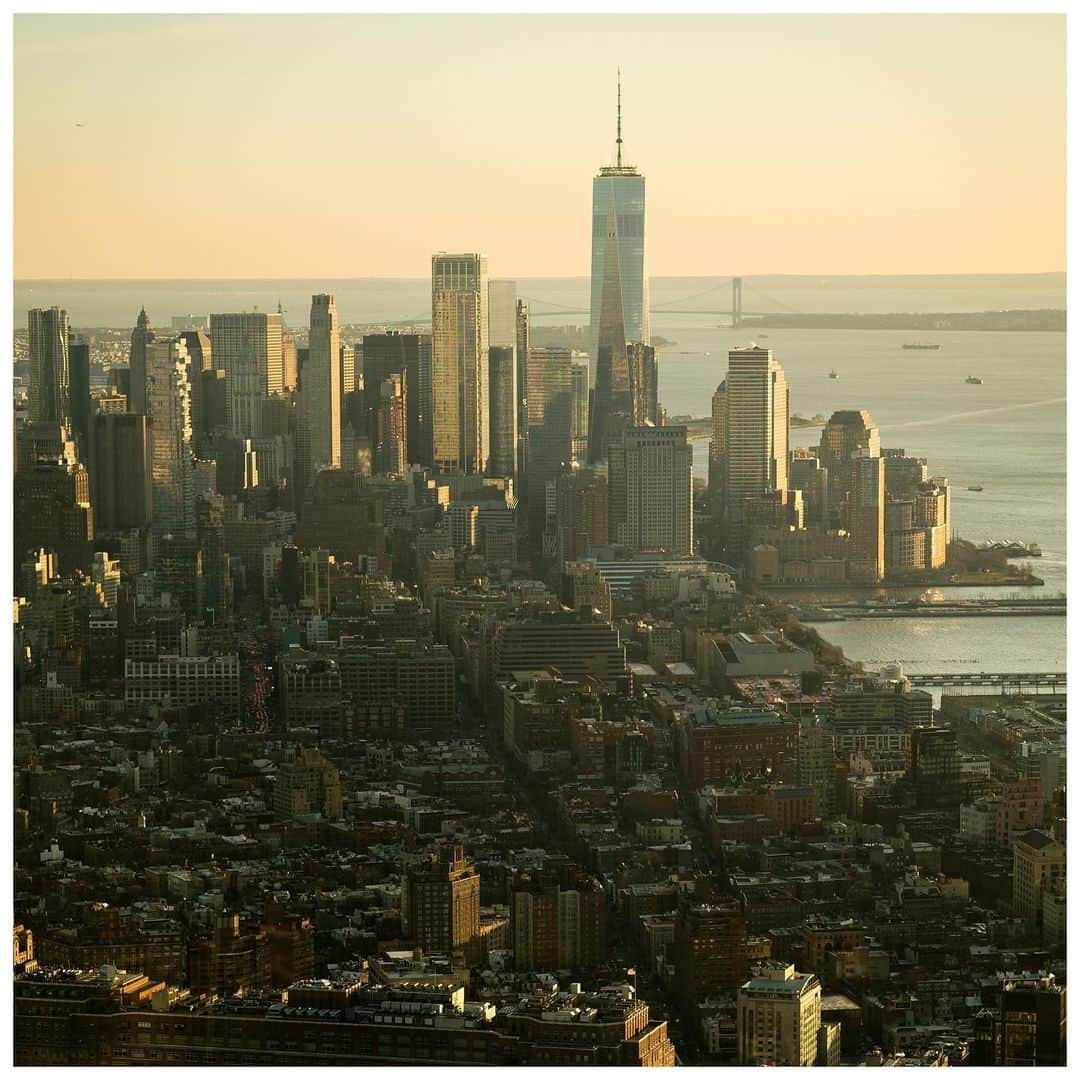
355	146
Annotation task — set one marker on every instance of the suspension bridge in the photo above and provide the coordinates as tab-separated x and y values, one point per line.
733	309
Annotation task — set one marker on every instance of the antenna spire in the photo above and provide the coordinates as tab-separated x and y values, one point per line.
618	122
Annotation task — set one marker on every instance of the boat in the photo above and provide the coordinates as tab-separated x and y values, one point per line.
833	375
973	380
920	345
975	487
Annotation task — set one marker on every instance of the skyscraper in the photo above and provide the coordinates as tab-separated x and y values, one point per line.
322	385
168	408
408	356
79	393
718	449
550	425
120	474
502	410
441	904
644	384
52	511
522	345
247	347
459	362
502	378
391	449
659	491
866	512
49	331
620	288
197	343
141	336
847	431
757	426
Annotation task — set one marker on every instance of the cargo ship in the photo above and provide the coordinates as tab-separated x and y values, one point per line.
919	345
973	380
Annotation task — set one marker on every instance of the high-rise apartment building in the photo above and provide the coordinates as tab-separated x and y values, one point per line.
1038	868
581	512
757	426
168	410
247	347
441	904
620	286
49	365
459	362
321	386
659	491
778	1017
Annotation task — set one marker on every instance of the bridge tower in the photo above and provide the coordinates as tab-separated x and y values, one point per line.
736	301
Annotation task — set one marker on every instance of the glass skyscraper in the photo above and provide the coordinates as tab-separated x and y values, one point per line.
620	288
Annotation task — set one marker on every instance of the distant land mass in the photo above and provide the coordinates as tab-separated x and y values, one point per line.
1038	319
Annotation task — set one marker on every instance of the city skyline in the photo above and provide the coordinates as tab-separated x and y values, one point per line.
968	158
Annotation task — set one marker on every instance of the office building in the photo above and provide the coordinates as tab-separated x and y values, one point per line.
200	351
391	437
502	410
440	900
522	345
659	491
549	425
141	336
168	411
757	427
865	517
808	475
409	357
247	347
847	431
120	482
644	384
288	360
459	362
347	354
575	643
718	448
341	513
779	1014
53	511
49	365
581	512
79	402
184	681
321	386
105	573
620	287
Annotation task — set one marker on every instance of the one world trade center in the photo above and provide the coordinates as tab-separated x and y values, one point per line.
620	290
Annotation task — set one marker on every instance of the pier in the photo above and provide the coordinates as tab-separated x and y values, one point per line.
1015	682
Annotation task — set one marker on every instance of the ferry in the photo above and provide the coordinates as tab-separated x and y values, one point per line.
919	345
973	380
833	375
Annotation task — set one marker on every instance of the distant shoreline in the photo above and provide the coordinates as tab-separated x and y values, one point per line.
1053	319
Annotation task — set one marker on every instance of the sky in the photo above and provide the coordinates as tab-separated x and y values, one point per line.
281	146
